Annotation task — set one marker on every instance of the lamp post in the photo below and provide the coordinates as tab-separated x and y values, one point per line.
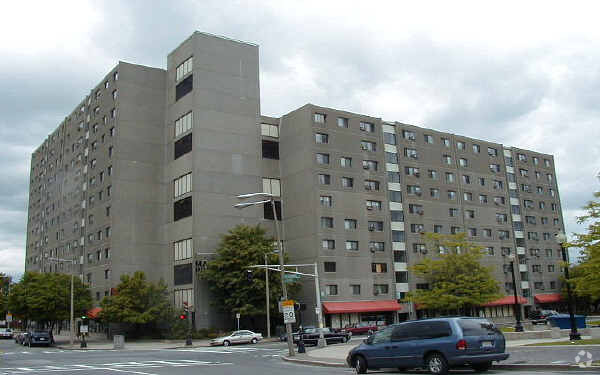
561	239
71	332
516	306
270	199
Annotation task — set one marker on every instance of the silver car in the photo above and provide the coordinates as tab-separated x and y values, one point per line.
237	337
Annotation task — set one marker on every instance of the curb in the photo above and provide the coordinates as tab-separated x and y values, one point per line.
494	367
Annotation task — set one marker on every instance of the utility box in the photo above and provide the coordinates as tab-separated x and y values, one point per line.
118	342
563	321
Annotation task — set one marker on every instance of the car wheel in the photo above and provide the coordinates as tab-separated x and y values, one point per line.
436	364
254	340
482	367
360	364
344	339
226	343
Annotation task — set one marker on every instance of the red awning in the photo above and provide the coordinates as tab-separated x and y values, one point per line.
93	313
548	298
360	306
508	300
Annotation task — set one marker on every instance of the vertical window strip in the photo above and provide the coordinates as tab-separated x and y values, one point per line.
182	185
184	123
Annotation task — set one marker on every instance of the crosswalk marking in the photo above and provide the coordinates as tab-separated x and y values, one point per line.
130	367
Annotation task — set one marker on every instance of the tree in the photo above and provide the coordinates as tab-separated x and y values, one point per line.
457	280
137	302
5	284
585	277
226	274
46	297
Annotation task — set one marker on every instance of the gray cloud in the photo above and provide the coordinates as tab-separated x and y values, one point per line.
536	90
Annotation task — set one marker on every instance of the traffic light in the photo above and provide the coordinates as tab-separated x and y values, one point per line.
249	275
183	316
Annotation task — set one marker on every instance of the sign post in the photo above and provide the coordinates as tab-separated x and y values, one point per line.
237	316
289	315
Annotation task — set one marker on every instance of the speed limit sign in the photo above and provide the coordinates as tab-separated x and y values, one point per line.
288	314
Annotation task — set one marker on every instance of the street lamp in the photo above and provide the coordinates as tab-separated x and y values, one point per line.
517	306
72	263
270	199
267	295
561	239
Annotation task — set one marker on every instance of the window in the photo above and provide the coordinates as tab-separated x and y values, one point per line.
322	158
451	194
184	295
91	219
325	179
352	245
270	149
183	274
463	162
503	234
380	289
328	244
483	199
183	146
391	157
389	138
326	201
268	210
446	142
373	205
553	206
412	171
368	146
467	196
428	138
400	256
184	87
495	168
538	285
547	163
355	289
492	152
182	185
551	268
106	274
476	149
321	138
453	212
523	172
536	160
498	185
449	177
371	185
367	126
501	218
489	250
499	200
544	220
369	165
271	186
438	228
528	203
540	190
374	226
526	188
108	191
415	209
183	249
350	224
379	267
447	159
331	290
466	179
326	222
376	246
183	124
460	145
434	193
329	266
555	221
342	122
347	182
469	214
269	130
413	190
530	220
487	233
393	177
184	68
397	216
522	157
433	174
319	118
182	208
538	175
346	162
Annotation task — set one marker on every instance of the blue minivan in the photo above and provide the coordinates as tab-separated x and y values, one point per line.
436	344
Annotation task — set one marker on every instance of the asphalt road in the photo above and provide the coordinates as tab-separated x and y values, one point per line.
263	359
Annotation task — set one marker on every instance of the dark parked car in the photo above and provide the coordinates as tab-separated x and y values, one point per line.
436	344
541	316
20	338
362	328
38	338
310	336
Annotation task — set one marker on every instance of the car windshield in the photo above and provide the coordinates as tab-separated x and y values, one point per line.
381	336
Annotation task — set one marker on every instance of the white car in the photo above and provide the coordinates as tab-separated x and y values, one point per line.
237	337
6	333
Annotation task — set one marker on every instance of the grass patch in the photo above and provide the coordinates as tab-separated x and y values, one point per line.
507	329
594	323
567	343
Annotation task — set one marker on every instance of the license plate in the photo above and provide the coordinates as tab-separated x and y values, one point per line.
487	344
42	339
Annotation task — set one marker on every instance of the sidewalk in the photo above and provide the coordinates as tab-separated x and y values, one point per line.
100	342
335	355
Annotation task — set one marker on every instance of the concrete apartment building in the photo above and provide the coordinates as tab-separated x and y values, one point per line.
142	175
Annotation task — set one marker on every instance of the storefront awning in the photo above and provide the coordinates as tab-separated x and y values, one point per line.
548	298
360	306
93	313
508	300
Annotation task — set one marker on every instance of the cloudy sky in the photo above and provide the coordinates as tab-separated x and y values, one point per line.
525	74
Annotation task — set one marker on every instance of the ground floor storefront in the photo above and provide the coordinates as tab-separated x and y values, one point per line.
343	314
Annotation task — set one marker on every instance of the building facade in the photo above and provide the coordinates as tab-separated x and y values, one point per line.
143	174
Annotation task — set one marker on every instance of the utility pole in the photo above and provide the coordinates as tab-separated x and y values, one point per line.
267	291
321	343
